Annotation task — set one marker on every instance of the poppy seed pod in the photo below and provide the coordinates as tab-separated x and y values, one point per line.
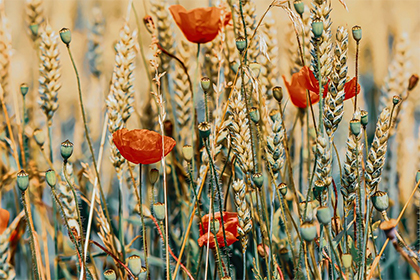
319	187
51	178
22	180
380	201
282	187
153	176
364	118
317	27
254	114
24	89
34	29
347	260
65	35
205	129
205	84
66	149
417	176
309	211
323	214
143	273
258	179
240	43
308	231
159	209
39	137
357	33
355	127
389	227
299	6
110	274
214	226
187	152
150	25
412	82
134	264
278	93
396	99
275	115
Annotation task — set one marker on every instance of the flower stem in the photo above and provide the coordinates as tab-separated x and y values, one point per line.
31	234
142	221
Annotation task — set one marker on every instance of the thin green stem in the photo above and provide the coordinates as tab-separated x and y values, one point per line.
143	226
357	72
31	234
120	214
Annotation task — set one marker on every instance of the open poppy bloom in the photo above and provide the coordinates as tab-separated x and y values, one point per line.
4	219
305	80
142	145
231	223
200	25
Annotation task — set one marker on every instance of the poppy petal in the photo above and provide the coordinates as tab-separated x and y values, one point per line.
349	89
4	219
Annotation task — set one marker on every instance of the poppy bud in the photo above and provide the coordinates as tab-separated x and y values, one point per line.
308	231
65	35
389	228
380	201
22	180
205	83
347	260
168	128
204	129
254	114
261	251
148	22
282	187
317	28
110	274
153	176
275	115
299	6
51	178
143	273
357	33
39	137
278	93
323	214
134	264
24	89
258	179
364	118
396	99
187	152
234	66
34	29
159	209
417	176
355	127
241	43
66	149
412	82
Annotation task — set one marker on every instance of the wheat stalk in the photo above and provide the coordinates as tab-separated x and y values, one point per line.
34	16
95	40
244	215
250	17
49	80
5	49
270	73
275	148
323	151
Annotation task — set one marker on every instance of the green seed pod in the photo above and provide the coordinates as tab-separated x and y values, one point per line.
275	115
22	180
317	28
110	275
134	264
355	127
241	43
396	99
254	114
39	137
299	6
66	149
143	273
65	35
205	84
282	187
159	209
153	176
380	201
347	260
417	176
319	187
34	29
255	68
24	89
278	93
308	231
234	66
204	129
364	118
51	178
309	211
323	214
187	152
357	33
214	226
258	179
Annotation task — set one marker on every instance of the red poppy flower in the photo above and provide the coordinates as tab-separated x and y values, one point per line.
231	223
4	219
142	145
305	80
200	25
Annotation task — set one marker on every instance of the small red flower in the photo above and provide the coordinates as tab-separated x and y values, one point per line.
4	219
200	25
231	223
305	80
142	145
